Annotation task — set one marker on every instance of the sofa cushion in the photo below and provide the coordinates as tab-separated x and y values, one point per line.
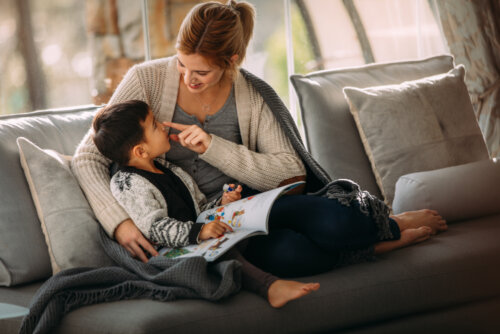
455	268
331	133
457	193
416	126
68	223
19	225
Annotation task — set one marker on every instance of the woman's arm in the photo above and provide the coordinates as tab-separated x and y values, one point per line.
91	168
273	162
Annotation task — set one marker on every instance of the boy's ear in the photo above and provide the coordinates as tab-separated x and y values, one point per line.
138	151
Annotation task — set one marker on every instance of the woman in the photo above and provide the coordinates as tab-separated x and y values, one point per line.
226	133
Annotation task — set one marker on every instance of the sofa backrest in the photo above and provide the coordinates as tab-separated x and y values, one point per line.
331	133
23	251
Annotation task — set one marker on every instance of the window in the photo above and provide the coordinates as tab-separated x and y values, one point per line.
59	53
43	54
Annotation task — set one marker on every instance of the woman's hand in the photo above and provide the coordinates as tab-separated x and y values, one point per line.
231	196
191	136
130	237
214	230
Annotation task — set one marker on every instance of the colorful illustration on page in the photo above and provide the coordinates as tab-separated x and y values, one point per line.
236	219
218	215
175	252
214	250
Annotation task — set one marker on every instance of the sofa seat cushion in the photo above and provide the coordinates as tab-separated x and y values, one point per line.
19	224
454	268
16	298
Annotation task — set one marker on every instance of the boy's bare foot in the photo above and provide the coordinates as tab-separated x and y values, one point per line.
416	219
282	291
408	237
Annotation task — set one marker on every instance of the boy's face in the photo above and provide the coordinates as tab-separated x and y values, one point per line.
155	136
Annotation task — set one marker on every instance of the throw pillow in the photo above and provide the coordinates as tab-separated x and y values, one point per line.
416	126
68	222
331	133
457	193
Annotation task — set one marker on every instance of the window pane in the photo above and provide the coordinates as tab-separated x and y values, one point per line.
266	54
43	53
400	29
395	30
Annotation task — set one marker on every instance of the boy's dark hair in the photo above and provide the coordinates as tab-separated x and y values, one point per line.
117	129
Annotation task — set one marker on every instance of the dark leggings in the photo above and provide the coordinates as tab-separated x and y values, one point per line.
307	234
252	278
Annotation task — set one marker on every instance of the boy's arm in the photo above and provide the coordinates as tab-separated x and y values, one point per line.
147	208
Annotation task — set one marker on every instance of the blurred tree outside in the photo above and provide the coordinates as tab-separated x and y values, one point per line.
80	50
43	55
276	49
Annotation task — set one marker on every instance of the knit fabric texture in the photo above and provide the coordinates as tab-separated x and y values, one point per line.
160	279
149	210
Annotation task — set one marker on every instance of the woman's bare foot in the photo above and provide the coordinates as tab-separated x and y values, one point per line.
408	237
412	236
282	291
416	219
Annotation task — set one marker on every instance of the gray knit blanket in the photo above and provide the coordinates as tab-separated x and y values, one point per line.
318	181
160	279
169	279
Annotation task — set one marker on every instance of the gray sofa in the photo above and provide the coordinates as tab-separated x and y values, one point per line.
448	284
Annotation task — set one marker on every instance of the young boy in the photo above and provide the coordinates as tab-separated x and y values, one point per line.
163	200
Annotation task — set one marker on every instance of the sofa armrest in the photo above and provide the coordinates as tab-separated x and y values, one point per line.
457	193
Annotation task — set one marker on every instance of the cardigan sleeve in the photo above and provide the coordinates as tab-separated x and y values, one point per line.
91	168
272	161
149	211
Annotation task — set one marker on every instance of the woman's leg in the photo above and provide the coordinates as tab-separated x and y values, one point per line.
330	225
287	253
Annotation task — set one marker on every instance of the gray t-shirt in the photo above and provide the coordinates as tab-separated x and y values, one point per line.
224	123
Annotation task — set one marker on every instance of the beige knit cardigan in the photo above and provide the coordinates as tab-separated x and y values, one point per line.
265	158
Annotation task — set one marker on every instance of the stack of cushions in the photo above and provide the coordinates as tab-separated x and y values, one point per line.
384	121
416	126
326	114
24	255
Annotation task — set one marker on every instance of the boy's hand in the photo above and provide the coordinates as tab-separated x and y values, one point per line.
214	230
231	196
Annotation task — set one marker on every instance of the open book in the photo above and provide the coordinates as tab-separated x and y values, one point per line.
247	217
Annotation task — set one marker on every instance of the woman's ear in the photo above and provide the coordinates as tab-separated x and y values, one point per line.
234	58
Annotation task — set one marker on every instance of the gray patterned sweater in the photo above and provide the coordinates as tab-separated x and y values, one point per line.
148	208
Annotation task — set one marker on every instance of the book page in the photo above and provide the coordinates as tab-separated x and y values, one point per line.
246	217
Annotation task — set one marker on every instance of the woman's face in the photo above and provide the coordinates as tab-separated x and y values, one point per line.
197	73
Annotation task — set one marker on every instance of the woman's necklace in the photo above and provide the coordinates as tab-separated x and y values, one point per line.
206	107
